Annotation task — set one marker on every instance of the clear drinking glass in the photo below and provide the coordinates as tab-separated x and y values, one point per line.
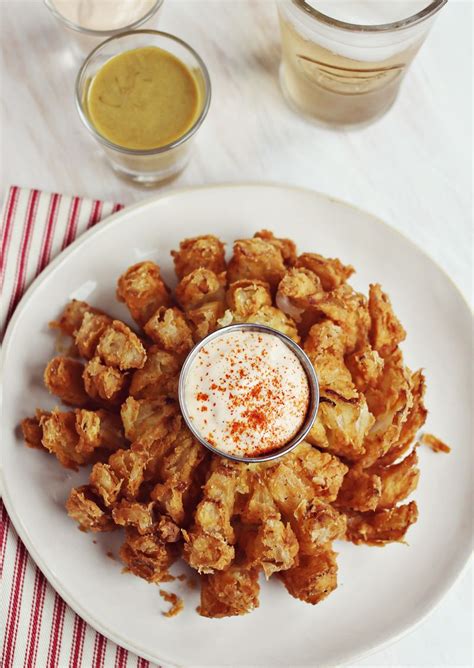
85	39
342	73
151	166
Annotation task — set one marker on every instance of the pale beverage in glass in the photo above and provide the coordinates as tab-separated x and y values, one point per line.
343	60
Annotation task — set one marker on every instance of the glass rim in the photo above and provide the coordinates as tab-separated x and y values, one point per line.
425	13
102	33
159	149
308	368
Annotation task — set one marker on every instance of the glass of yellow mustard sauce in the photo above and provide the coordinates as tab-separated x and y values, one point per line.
143	95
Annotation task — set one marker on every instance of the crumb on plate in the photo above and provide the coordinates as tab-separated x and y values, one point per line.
434	443
177	604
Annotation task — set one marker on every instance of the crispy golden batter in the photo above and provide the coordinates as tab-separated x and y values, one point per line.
169	329
143	291
149	420
390	402
127	468
386	332
331	272
146	556
209	544
63	377
230	521
256	259
145	520
71	318
268	542
106	483
112	434
93	325
287	247
134	514
260	504
361	490
200	287
382	526
248	296
61	439
365	366
204	319
153	425
266	315
178	472
32	432
85	510
88	429
121	348
206	251
314	578
398	480
323	472
298	291
81	436
294	490
168	531
104	383
342	426
317	523
324	346
228	593
272	547
273	317
415	419
159	376
348	309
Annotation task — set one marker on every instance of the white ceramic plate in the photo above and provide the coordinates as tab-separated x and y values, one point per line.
382	593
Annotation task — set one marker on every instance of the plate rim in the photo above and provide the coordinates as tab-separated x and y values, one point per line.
111	220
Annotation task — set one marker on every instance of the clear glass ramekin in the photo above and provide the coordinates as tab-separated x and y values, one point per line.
308	368
147	167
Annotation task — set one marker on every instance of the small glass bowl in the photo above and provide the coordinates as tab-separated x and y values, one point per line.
146	167
86	39
307	367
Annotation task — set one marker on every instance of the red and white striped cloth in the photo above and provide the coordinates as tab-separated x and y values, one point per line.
37	628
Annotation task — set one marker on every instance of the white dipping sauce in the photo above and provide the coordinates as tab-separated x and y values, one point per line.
246	393
103	14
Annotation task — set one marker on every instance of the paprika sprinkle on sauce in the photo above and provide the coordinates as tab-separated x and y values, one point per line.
247	393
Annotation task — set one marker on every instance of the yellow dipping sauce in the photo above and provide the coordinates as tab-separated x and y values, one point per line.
143	99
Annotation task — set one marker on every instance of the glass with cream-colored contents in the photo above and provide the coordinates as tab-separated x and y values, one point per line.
143	95
248	392
343	60
90	22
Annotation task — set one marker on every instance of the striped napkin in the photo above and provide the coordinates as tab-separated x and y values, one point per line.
36	627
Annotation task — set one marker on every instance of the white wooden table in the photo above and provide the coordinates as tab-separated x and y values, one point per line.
413	168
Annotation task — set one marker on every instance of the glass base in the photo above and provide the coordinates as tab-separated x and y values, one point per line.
148	178
325	123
